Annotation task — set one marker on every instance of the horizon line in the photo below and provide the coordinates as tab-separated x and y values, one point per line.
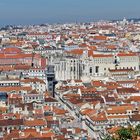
66	22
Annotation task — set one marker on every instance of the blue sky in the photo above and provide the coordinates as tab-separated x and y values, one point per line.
51	11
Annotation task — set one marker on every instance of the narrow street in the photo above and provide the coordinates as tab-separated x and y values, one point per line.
92	134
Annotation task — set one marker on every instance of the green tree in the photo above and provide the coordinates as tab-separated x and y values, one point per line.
125	134
108	137
137	130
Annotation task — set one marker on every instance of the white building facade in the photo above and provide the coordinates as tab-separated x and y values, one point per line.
71	67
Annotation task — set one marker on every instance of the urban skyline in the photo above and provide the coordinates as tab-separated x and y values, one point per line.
72	72
52	11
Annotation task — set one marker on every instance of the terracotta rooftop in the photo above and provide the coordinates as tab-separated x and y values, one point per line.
35	122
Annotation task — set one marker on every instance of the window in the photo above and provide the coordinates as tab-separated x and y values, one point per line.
50	89
90	70
97	69
50	84
74	68
83	66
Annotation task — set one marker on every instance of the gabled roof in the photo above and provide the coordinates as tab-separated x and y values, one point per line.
75	52
127	54
100	37
119	109
15	122
135	117
134	99
126	90
19	88
11	50
97	83
33	80
50	99
35	122
99	117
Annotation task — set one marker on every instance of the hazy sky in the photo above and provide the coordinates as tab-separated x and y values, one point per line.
43	11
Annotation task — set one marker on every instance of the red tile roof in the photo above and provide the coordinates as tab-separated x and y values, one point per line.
9	89
11	50
99	117
76	52
100	37
127	54
35	122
